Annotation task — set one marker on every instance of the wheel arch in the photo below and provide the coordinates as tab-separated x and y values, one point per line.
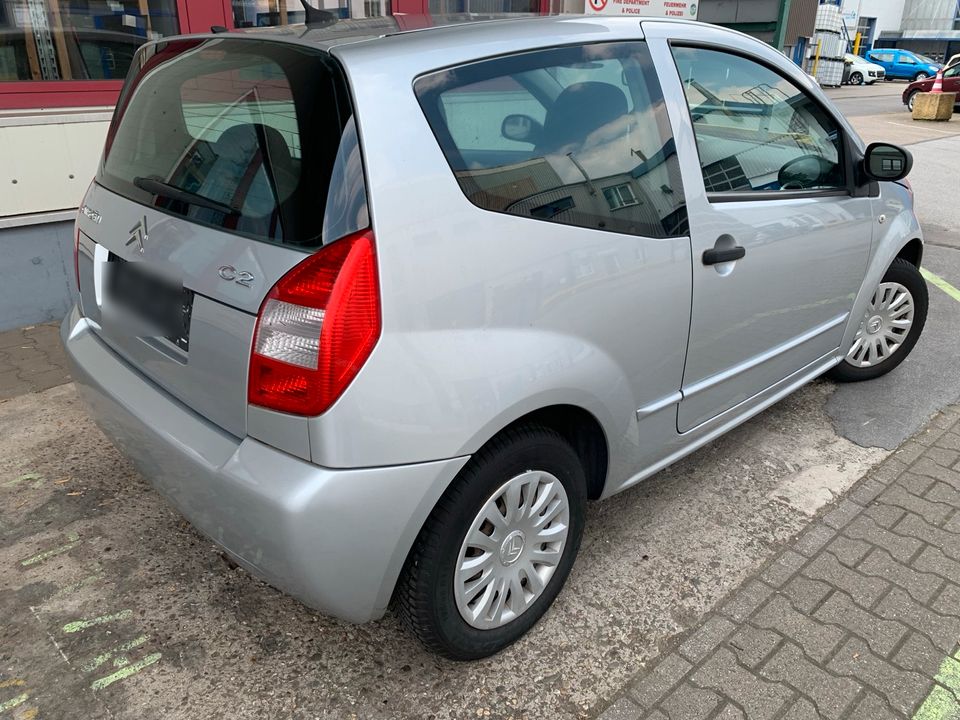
912	252
582	430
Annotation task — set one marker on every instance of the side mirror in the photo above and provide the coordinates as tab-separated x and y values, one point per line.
521	128
883	161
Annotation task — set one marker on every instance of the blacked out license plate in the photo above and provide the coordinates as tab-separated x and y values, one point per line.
152	304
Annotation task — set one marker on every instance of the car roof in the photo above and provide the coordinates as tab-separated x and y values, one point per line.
328	31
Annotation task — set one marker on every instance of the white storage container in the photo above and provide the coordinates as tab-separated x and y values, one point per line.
829	18
829	72
831	44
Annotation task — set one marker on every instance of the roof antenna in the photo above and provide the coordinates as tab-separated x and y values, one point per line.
315	16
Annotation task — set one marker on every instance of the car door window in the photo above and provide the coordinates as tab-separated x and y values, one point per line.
953	71
905	60
756	131
573	135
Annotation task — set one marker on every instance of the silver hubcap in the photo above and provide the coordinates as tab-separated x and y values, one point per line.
511	550
885	326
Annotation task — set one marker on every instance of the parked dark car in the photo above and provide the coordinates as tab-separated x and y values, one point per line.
951	83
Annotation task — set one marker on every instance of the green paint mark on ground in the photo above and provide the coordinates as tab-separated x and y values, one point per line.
47	554
125	647
942	702
77	585
12	703
941	283
37	477
78	625
939	705
949	675
125	672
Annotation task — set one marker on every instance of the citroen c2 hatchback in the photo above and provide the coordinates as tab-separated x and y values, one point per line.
381	313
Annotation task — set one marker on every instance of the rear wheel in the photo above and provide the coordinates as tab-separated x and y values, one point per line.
890	327
856	78
497	548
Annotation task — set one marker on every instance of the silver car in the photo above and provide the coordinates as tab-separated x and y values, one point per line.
381	311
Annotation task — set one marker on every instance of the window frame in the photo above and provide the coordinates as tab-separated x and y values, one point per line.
446	143
846	148
195	16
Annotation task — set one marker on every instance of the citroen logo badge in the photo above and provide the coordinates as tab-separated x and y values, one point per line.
512	548
138	234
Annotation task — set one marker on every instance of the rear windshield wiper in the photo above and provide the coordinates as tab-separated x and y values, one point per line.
172	192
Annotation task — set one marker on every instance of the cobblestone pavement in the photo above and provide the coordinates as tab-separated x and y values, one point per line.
858	618
31	360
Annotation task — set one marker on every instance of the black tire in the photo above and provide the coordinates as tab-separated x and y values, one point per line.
856	78
910	98
908	275
920	76
424	598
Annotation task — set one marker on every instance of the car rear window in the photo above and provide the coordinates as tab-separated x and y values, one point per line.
243	135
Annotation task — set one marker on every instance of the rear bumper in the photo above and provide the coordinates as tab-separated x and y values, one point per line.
335	539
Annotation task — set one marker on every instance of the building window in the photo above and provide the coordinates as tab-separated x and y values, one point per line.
620	196
268	13
62	40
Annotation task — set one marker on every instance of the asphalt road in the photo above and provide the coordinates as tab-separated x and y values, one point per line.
112	606
858	100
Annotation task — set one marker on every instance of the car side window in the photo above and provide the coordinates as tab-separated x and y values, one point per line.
952	71
907	60
572	135
756	131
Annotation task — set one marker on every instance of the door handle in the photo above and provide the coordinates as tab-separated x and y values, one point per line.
722	255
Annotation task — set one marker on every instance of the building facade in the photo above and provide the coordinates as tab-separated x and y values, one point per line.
927	27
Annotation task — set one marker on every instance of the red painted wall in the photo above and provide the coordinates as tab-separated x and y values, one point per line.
196	16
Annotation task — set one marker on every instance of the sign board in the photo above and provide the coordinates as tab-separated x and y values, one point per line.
653	8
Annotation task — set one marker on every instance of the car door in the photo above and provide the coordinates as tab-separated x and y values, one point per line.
779	239
885	60
906	66
951	79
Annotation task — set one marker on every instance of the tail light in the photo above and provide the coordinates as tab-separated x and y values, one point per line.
316	328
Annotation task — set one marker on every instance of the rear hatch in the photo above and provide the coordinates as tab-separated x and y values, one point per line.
229	160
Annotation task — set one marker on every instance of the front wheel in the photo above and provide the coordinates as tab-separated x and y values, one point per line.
911	99
890	327
856	78
497	548
920	76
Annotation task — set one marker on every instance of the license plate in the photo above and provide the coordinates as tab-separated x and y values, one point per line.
153	305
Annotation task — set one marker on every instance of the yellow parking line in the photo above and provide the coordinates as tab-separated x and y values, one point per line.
941	283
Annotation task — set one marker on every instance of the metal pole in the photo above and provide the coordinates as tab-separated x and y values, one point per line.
781	31
816	59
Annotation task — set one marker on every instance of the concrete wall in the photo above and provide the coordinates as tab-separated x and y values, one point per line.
47	160
36	273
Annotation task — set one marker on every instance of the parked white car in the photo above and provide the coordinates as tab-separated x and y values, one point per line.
863	71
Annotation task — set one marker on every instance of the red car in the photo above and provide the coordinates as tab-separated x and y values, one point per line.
951	83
